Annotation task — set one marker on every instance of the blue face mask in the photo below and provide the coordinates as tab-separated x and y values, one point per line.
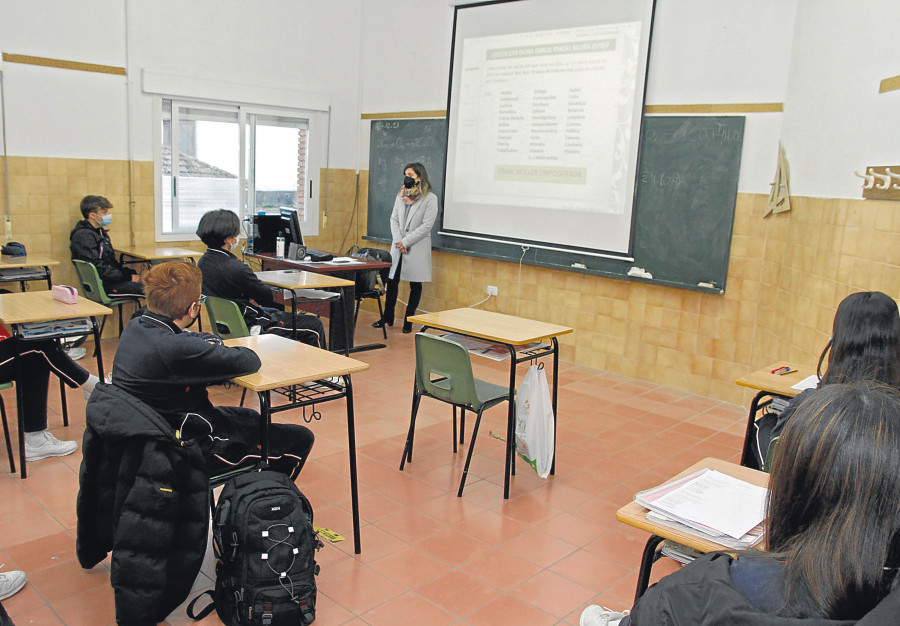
106	220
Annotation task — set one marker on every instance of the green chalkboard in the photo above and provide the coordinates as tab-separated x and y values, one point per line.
684	204
394	144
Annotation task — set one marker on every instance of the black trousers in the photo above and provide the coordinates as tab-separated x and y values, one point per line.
37	359
229	438
393	287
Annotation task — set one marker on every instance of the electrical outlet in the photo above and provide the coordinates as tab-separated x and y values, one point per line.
491	290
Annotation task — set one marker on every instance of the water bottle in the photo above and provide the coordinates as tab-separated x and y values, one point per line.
279	247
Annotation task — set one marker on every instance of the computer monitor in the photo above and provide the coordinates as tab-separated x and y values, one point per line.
290	226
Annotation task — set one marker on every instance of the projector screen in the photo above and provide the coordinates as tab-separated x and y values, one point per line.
544	120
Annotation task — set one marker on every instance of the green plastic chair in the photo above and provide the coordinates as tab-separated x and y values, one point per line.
226	319
92	288
444	372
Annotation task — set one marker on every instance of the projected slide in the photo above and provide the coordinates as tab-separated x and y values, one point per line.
543	124
544	118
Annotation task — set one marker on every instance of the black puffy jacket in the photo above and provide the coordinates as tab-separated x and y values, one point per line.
144	494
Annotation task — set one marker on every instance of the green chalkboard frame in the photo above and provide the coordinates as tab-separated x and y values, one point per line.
684	206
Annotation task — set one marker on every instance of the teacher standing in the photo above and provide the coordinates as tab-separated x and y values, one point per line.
415	209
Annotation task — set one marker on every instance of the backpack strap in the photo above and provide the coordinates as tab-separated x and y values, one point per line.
203	612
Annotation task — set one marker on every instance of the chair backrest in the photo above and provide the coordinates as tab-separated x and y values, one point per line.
444	370
366	281
770	454
225	318
91	285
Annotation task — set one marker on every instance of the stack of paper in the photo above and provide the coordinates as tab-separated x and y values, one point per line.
38	329
710	505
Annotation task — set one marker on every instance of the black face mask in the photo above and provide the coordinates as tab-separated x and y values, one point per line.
409	182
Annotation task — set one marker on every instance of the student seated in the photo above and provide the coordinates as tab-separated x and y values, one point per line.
226	276
89	241
168	368
864	345
832	530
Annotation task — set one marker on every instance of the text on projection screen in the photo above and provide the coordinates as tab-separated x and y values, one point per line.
545	124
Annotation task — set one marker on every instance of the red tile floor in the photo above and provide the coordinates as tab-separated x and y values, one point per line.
428	557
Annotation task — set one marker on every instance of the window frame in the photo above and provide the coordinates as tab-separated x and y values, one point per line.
316	156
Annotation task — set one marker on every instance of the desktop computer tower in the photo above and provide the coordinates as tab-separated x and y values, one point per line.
262	230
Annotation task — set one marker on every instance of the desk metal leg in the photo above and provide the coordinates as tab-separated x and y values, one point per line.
647	560
265	403
555	388
20	417
510	423
97	351
354	484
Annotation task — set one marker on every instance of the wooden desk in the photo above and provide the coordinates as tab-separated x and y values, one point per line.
286	365
769	385
635	515
300	279
153	253
510	331
14	269
342	324
39	306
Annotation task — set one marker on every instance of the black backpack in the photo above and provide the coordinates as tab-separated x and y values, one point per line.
265	548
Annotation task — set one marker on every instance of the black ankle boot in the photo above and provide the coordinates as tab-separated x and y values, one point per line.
380	323
407	327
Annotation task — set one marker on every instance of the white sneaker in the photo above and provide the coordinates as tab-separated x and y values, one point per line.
11	583
88	387
43	445
76	354
596	615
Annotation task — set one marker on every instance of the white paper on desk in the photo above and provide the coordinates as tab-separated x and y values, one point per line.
810	382
718	501
343	260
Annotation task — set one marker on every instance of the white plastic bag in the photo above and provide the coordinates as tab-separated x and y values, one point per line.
534	421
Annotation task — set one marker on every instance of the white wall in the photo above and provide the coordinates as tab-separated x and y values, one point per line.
301	45
835	119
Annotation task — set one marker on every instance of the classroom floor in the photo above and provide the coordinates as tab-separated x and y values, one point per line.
428	557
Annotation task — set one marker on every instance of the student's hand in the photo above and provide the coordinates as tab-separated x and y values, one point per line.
135	278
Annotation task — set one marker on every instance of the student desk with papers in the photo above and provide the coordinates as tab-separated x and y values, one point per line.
286	366
635	515
35	315
294	280
513	333
341	324
22	269
777	380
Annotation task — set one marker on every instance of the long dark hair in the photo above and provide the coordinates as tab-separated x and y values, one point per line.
865	341
834	501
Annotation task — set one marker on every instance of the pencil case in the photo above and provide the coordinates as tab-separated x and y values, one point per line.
65	294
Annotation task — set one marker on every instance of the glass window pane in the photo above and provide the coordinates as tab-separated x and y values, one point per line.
279	166
208	167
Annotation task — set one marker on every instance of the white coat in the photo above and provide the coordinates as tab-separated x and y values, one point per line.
411	225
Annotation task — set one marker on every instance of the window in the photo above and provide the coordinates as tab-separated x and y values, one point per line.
231	157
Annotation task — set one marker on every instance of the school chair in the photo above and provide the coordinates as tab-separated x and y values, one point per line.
444	372
370	284
92	288
227	322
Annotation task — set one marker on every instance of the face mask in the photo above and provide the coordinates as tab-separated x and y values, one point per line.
409	182
106	220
